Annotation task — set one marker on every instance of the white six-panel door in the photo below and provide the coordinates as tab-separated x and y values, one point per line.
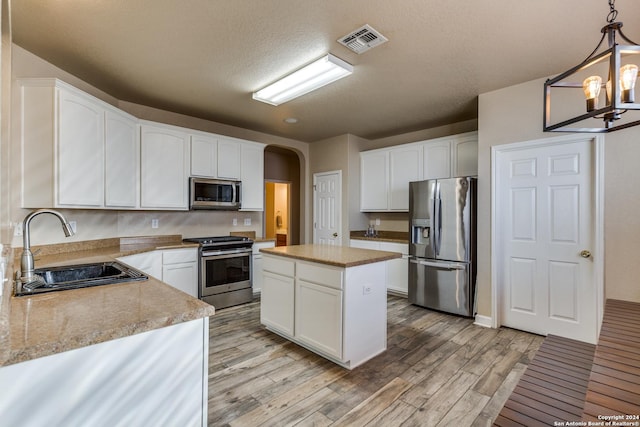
327	209
545	239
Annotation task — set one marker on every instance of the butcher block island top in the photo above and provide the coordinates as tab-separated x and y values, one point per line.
337	256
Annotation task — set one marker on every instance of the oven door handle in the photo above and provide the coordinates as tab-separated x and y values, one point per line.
227	252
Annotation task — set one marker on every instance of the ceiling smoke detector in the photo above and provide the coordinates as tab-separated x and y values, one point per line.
362	39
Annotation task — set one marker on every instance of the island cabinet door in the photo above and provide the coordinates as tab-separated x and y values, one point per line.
277	301
319	317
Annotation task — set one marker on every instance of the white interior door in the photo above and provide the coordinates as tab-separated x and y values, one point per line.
545	236
327	208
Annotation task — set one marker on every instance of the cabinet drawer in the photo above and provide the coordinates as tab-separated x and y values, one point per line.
322	275
279	265
175	256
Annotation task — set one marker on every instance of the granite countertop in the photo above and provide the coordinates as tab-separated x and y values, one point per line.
50	323
339	256
382	236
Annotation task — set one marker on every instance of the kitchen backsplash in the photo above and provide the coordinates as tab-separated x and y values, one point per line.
91	225
389	221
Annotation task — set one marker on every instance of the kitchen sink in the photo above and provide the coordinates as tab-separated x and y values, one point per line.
78	276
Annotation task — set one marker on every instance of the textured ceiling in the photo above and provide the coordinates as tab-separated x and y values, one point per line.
205	57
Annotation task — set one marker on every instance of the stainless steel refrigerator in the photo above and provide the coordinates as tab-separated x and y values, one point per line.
442	248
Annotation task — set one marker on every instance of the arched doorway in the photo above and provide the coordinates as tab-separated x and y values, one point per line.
282	194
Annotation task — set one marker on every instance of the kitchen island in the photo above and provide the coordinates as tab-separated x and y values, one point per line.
133	353
331	300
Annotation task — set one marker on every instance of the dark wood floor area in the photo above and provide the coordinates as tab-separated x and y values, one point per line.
438	370
614	384
553	388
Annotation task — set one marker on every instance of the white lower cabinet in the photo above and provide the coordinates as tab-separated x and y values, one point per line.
153	378
149	263
338	313
176	267
396	270
256	264
180	269
277	302
319	317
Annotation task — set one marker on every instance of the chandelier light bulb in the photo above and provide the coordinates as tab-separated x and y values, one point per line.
628	76
591	87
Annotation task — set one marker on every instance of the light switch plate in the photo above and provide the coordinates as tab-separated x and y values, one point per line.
247	221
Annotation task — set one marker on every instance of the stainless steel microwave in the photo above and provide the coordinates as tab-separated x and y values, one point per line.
215	194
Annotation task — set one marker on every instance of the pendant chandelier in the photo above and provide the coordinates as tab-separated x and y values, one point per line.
605	78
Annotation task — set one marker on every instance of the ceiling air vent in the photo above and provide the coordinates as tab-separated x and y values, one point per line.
362	39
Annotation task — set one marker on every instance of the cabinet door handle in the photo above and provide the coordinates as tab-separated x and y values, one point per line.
335	234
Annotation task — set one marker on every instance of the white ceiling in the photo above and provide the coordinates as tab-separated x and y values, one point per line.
205	57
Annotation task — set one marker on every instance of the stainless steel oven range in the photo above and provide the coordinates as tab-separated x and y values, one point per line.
225	274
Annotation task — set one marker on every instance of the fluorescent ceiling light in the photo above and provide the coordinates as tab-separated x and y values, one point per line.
321	72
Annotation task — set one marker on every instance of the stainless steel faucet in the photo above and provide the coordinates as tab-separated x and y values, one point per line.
26	262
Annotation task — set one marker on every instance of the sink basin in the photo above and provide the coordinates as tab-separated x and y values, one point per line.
80	276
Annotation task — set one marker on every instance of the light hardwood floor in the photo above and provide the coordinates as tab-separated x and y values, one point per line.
438	370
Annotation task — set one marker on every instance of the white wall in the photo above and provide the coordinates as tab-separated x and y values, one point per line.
514	114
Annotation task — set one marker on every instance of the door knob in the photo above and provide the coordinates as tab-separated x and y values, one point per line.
335	234
585	254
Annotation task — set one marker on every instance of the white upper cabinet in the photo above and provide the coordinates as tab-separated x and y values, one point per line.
213	156
122	160
436	158
374	180
405	165
252	176
80	150
464	156
164	166
385	173
204	156
228	159
62	137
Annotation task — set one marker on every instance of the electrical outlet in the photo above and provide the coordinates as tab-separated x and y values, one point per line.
366	290
247	221
377	221
73	226
235	221
155	223
17	229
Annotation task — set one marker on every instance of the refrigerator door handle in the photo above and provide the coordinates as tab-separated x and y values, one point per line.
440	265
438	225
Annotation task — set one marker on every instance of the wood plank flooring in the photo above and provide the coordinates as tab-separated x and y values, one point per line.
438	370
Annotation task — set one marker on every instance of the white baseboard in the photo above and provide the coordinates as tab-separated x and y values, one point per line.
484	321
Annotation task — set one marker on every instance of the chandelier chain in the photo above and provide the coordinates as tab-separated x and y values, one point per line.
613	13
